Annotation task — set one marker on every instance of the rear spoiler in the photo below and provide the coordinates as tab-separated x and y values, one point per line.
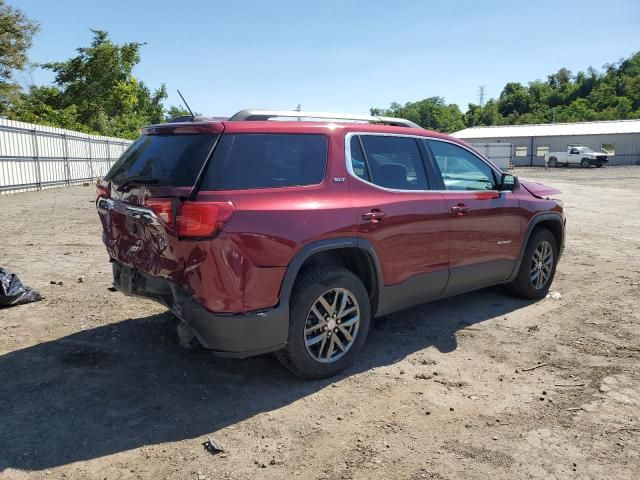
184	128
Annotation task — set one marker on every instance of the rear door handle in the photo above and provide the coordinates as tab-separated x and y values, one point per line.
373	216
460	209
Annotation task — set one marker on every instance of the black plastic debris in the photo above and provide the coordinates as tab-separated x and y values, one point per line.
12	292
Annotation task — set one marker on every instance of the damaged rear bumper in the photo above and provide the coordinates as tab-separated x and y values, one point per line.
230	335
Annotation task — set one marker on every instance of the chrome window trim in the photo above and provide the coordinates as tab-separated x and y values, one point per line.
347	159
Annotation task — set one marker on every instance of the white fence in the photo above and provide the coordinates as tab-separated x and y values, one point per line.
498	153
33	157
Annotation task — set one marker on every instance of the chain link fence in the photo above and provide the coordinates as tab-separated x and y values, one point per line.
34	157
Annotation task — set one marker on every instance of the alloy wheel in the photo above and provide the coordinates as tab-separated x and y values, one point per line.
332	325
541	265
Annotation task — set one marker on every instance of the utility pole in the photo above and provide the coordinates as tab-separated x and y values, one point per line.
299	109
481	89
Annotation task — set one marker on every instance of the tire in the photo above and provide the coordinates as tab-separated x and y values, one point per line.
524	284
324	358
585	163
553	162
599	165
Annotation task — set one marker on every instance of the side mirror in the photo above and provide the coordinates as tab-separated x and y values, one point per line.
508	183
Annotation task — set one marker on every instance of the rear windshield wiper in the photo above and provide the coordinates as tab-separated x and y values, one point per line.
136	179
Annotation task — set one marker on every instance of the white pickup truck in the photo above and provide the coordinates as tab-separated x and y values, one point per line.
576	155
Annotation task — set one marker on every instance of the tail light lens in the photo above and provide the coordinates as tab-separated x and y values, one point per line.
103	190
194	219
203	219
163	208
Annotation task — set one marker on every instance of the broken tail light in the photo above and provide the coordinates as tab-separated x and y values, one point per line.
103	189
163	208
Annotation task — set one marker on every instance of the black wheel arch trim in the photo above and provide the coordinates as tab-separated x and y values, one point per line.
539	217
323	246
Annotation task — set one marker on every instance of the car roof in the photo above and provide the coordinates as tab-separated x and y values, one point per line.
326	127
330	128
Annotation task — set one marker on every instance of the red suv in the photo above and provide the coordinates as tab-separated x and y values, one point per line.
289	236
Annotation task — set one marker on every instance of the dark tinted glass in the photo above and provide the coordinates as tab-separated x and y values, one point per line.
395	162
357	160
246	161
172	160
461	170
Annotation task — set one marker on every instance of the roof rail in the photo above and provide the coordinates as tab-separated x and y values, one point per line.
256	115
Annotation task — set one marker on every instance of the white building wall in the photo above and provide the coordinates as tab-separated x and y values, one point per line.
627	146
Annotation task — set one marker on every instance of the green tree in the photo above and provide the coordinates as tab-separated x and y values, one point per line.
432	113
177	111
514	100
613	94
485	115
42	105
16	36
97	90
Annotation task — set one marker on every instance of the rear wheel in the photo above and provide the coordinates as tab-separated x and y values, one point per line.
328	322
553	162
585	163
538	266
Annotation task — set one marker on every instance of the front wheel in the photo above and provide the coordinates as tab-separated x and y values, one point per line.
538	266
329	319
585	163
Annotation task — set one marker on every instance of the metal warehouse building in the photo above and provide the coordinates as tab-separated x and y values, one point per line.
527	144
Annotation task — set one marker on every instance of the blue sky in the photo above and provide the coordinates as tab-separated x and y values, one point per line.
337	55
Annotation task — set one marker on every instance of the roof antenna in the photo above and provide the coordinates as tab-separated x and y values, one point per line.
188	107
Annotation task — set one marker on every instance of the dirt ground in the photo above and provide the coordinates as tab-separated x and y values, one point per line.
94	385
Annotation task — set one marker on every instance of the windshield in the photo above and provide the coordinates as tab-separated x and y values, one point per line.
585	149
173	160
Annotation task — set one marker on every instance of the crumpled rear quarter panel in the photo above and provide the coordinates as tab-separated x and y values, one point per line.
215	271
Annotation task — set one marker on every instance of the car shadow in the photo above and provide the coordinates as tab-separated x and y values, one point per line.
124	385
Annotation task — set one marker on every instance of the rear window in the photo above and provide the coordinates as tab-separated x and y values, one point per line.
173	160
252	160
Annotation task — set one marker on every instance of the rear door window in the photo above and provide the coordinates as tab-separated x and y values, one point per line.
174	160
391	162
358	162
253	161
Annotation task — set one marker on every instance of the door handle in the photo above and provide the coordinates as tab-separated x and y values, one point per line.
374	216
460	209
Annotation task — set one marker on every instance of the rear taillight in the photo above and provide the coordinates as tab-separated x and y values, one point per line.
203	219
103	190
194	219
163	208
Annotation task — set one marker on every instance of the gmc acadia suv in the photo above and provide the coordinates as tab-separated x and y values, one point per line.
264	235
